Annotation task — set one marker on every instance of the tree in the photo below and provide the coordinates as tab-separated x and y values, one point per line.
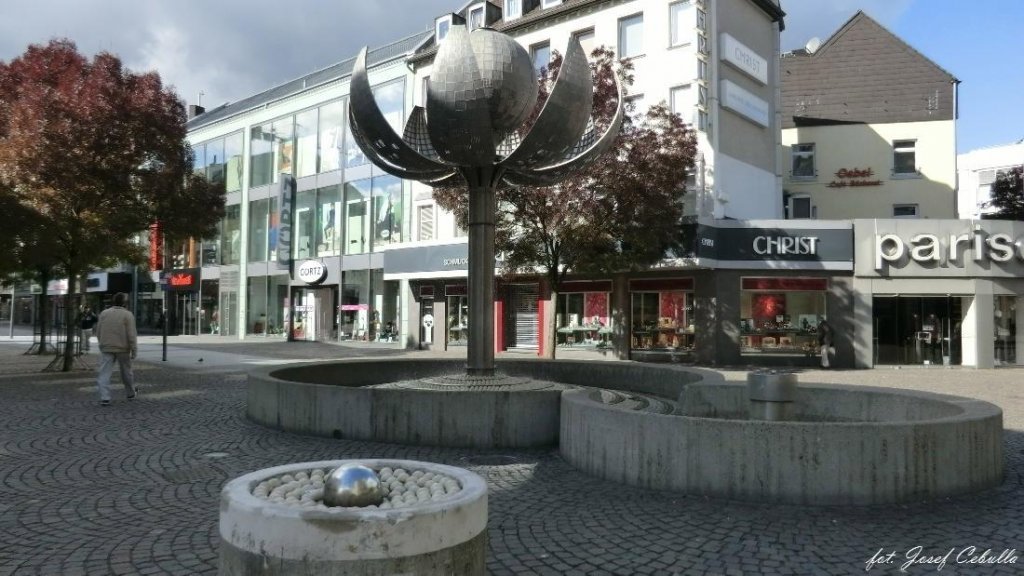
623	213
1008	194
96	153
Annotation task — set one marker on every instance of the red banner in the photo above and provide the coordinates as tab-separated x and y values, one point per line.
156	249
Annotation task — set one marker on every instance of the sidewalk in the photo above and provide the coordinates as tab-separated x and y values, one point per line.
134	488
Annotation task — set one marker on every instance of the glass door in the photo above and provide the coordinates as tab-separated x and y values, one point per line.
921	330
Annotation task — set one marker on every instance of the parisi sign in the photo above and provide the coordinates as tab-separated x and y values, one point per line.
945	250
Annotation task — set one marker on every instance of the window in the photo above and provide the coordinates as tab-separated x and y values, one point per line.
260	155
800	207
332	126
424	90
441	27
328	214
513	9
233	154
231	235
304	225
387	210
541	56
550	3
662	315
357	200
259	229
779	315
803	161
680	15
635	106
284	146
476	17
631	40
305	143
904	210
679	99
586	40
425	222
702	121
904	159
391	100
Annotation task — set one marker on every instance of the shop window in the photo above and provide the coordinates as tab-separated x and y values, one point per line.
803	162
331	129
231	235
355	305
458	315
582	319
387	211
305	143
904	158
357	210
304	225
1005	323
779	316
662	315
233	168
631	36
328	216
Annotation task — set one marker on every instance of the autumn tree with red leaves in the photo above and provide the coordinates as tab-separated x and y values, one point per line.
95	154
623	213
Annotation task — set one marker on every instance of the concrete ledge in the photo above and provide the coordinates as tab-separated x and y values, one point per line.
333	399
442	537
906	446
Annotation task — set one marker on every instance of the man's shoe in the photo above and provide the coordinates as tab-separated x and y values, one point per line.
135	392
104	402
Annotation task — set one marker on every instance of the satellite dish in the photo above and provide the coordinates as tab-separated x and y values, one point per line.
812	45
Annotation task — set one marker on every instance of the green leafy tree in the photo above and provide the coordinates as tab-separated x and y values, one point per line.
622	213
96	153
1008	194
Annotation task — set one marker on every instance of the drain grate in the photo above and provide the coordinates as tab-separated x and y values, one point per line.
490	460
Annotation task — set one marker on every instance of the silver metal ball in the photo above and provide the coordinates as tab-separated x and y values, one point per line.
352	485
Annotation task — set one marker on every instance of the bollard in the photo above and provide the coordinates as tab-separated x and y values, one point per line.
772	395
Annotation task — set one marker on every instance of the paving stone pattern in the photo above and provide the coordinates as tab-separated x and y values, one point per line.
134	489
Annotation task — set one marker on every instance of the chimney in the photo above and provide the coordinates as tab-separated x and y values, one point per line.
195	110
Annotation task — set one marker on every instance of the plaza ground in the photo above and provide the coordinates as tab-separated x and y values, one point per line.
134	488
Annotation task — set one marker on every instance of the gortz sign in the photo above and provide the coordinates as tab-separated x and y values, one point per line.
891	249
312	272
854	177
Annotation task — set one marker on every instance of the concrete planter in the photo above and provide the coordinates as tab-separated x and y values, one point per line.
445	537
848	445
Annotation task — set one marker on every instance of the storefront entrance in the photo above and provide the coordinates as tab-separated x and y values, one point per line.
522	330
186	310
917	330
313	314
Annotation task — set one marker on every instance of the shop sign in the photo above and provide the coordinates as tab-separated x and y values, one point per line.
744	59
312	272
286	195
745	103
854	177
753	247
183	280
891	249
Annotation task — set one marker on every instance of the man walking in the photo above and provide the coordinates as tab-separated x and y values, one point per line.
87	321
115	333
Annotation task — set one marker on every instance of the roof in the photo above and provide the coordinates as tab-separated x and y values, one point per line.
343	69
864	74
770	7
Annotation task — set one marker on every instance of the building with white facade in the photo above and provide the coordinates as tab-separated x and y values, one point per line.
976	171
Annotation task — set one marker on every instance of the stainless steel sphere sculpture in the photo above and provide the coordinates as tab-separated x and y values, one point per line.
482	88
352	485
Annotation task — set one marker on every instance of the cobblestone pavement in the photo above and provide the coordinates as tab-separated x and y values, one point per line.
134	489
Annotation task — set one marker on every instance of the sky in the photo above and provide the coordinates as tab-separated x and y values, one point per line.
229	49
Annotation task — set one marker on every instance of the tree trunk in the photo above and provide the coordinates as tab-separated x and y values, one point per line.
551	344
44	281
69	322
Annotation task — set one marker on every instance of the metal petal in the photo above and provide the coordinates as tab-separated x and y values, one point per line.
457	106
416	134
564	118
382	163
551	175
366	117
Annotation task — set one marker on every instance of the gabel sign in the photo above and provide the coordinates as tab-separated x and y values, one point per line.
312	272
931	248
